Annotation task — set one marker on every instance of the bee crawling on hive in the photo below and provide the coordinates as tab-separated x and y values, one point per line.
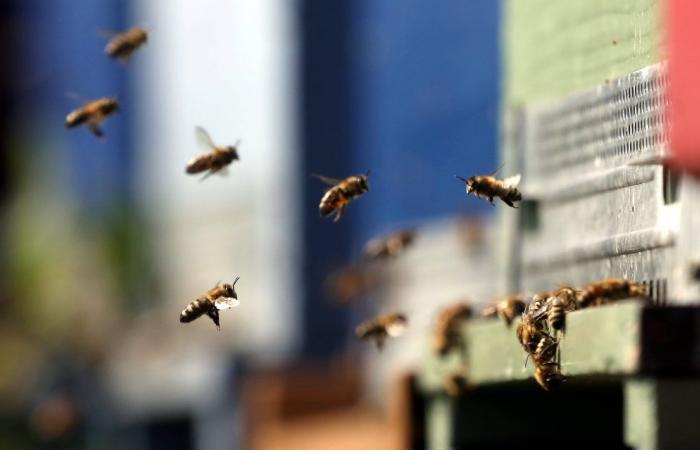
507	309
446	335
610	290
122	46
92	114
378	329
389	246
216	160
218	298
488	187
529	333
561	301
341	193
549	376
534	334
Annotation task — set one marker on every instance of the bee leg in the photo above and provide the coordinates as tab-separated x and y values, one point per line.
214	316
207	175
96	130
491	201
509	203
379	341
338	214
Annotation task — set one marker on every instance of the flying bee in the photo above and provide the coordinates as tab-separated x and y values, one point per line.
216	160
341	193
122	46
549	376
353	282
446	335
389	246
381	327
92	113
608	290
563	300
507	309
218	298
488	187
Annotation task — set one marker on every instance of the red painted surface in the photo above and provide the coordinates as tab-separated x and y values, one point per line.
683	32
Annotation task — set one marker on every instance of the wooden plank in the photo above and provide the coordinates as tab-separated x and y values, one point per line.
624	339
553	48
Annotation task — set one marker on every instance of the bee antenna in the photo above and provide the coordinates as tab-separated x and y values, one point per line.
368	172
462	179
236	281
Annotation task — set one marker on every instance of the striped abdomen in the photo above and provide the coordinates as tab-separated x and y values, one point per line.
195	309
333	199
200	164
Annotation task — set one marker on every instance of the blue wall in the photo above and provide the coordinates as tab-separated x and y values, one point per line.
67	56
409	90
426	95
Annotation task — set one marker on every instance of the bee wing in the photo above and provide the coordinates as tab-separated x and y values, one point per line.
328	180
203	138
513	181
493	174
226	303
107	33
222	171
396	329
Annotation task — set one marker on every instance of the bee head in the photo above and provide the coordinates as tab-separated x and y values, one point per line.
111	105
471	184
231	289
363	182
233	152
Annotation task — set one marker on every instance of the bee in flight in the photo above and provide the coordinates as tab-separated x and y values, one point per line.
341	193
122	46
381	327
92	114
216	161
219	297
446	335
351	283
488	187
389	246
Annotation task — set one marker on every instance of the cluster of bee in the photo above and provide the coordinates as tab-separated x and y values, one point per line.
92	113
544	321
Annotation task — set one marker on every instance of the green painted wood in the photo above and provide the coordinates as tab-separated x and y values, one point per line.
598	341
553	48
662	413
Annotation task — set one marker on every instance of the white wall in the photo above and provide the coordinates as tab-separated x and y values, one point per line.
230	67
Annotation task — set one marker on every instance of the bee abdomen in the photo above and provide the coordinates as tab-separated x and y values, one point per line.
193	310
556	315
329	202
198	164
77	117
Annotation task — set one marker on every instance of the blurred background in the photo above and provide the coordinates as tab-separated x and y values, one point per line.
104	243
